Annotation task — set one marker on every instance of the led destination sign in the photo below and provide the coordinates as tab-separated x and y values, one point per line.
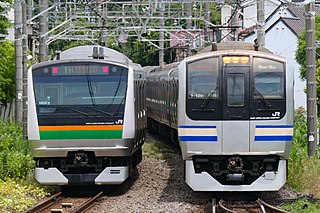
81	69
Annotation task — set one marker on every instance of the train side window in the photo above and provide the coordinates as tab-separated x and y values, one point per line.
268	78
203	78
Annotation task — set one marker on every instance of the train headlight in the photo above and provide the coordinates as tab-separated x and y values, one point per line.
226	59
235	59
244	59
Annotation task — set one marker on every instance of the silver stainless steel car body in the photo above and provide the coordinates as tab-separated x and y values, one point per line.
232	137
89	138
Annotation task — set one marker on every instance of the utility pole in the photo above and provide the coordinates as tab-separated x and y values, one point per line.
188	25
207	18
24	68
161	35
19	56
43	49
311	78
261	23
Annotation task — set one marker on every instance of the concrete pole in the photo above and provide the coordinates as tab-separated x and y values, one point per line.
188	23
19	56
24	68
161	35
43	22
311	78
261	23
207	18
189	15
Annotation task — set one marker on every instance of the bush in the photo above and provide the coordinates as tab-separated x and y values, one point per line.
17	197
15	158
303	172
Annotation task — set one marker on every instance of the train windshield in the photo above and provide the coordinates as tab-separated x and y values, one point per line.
80	88
203	78
268	79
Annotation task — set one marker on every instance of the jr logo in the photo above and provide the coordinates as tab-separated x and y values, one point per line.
276	114
119	122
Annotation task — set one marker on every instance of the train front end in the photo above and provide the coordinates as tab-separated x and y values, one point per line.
81	121
235	120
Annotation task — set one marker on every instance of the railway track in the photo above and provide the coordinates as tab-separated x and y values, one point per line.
257	206
60	203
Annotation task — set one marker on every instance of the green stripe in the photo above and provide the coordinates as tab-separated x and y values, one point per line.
81	134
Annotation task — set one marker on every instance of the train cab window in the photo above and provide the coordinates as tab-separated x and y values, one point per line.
268	79
235	90
82	88
203	78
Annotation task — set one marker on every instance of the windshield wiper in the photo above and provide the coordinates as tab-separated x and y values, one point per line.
99	110
265	101
208	98
90	91
75	110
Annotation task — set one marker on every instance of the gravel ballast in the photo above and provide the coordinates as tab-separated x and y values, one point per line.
158	185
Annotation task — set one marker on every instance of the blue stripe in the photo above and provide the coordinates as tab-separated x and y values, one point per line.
196	127
198	138
274	126
273	138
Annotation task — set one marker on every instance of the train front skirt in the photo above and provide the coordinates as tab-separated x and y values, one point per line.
109	176
205	182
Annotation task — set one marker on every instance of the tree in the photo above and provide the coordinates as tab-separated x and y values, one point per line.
4	21
7	72
7	58
301	56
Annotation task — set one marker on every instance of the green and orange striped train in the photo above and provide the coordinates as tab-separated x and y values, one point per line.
86	117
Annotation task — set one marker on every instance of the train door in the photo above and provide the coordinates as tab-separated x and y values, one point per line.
236	87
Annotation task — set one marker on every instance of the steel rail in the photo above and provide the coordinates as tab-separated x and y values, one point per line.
272	208
262	207
44	204
225	208
88	204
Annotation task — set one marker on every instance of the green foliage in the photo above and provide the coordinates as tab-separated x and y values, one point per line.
303	172
7	72
4	21
18	189
15	158
302	206
143	53
17	197
61	45
157	150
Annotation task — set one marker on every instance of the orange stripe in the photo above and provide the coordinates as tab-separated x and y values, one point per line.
85	127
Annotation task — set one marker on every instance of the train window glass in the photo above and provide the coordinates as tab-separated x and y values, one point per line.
77	90
235	90
268	78
203	78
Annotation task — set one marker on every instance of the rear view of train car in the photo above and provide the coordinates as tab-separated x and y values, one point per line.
235	120
83	123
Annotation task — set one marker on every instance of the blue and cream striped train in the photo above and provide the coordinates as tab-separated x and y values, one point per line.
231	109
86	117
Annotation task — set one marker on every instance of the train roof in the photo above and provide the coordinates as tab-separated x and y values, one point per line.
234	45
91	52
159	68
